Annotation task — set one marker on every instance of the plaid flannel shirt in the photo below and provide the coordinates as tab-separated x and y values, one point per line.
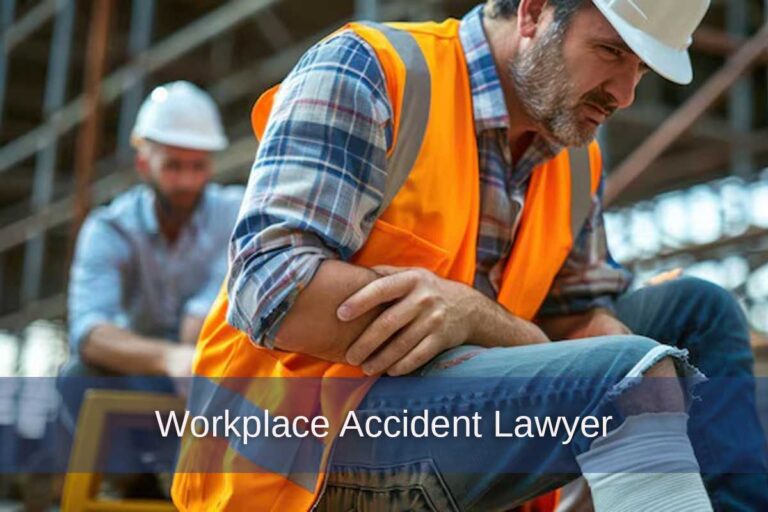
319	177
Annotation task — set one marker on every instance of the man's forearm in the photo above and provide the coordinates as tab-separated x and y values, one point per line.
312	327
494	326
190	329
125	352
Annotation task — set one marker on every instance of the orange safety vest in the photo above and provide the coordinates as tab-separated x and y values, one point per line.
429	219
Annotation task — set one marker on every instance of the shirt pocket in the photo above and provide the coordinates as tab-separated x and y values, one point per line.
388	244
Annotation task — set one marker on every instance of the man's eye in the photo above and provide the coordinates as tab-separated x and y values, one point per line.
615	52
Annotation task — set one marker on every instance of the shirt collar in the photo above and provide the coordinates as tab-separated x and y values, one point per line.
489	106
149	213
488	103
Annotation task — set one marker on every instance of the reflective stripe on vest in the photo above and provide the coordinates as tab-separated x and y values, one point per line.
298	459
581	188
415	110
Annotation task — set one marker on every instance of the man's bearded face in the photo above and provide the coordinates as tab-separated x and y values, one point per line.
547	93
178	177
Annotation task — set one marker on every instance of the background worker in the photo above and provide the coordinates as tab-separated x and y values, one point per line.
148	266
323	270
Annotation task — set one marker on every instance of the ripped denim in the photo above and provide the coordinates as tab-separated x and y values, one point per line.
504	465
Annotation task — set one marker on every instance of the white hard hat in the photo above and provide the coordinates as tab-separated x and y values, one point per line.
181	114
658	31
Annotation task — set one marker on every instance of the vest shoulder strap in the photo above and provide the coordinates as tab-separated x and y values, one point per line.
414	110
581	188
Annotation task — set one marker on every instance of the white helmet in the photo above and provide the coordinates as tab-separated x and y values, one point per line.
181	114
658	31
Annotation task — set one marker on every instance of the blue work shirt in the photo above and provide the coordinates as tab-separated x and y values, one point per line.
126	273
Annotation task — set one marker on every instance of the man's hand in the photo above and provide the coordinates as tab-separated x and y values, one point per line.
178	366
425	316
178	361
593	323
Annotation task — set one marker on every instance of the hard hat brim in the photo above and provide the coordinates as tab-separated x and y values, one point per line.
187	141
671	63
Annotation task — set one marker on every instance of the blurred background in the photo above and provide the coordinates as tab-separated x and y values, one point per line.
687	165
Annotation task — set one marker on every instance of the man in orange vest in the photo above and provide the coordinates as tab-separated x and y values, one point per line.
422	219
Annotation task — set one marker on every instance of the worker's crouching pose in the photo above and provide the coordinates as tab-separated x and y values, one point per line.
425	208
148	266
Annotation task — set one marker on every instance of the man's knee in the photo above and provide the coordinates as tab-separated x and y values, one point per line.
716	320
663	368
650	379
630	349
658	390
710	299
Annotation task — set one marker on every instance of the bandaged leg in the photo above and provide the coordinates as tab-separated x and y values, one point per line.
647	464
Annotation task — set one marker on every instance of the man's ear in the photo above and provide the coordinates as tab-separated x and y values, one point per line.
529	16
142	164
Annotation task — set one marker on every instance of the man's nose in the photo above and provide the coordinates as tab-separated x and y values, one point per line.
188	178
622	86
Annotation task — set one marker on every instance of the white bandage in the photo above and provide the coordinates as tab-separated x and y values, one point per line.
647	464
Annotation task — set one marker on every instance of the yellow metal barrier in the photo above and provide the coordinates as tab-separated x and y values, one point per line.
81	489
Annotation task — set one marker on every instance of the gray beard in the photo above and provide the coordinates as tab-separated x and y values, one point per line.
167	211
541	83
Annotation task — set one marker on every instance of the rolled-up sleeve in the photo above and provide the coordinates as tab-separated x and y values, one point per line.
95	283
590	278
316	183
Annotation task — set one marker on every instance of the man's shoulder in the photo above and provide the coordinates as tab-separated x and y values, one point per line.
226	197
123	212
343	54
343	42
222	204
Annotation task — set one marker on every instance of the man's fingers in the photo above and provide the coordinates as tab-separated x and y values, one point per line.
380	330
421	354
388	270
397	347
670	275
380	291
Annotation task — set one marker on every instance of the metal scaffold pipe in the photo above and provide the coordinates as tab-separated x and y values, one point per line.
113	86
677	124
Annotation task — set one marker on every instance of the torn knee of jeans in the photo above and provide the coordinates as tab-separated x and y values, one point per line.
638	393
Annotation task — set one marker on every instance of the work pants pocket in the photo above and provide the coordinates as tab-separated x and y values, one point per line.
410	486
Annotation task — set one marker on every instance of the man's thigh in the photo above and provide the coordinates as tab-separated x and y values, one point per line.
489	471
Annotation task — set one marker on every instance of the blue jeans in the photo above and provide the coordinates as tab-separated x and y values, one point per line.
572	379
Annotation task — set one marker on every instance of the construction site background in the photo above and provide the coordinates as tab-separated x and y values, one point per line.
687	166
